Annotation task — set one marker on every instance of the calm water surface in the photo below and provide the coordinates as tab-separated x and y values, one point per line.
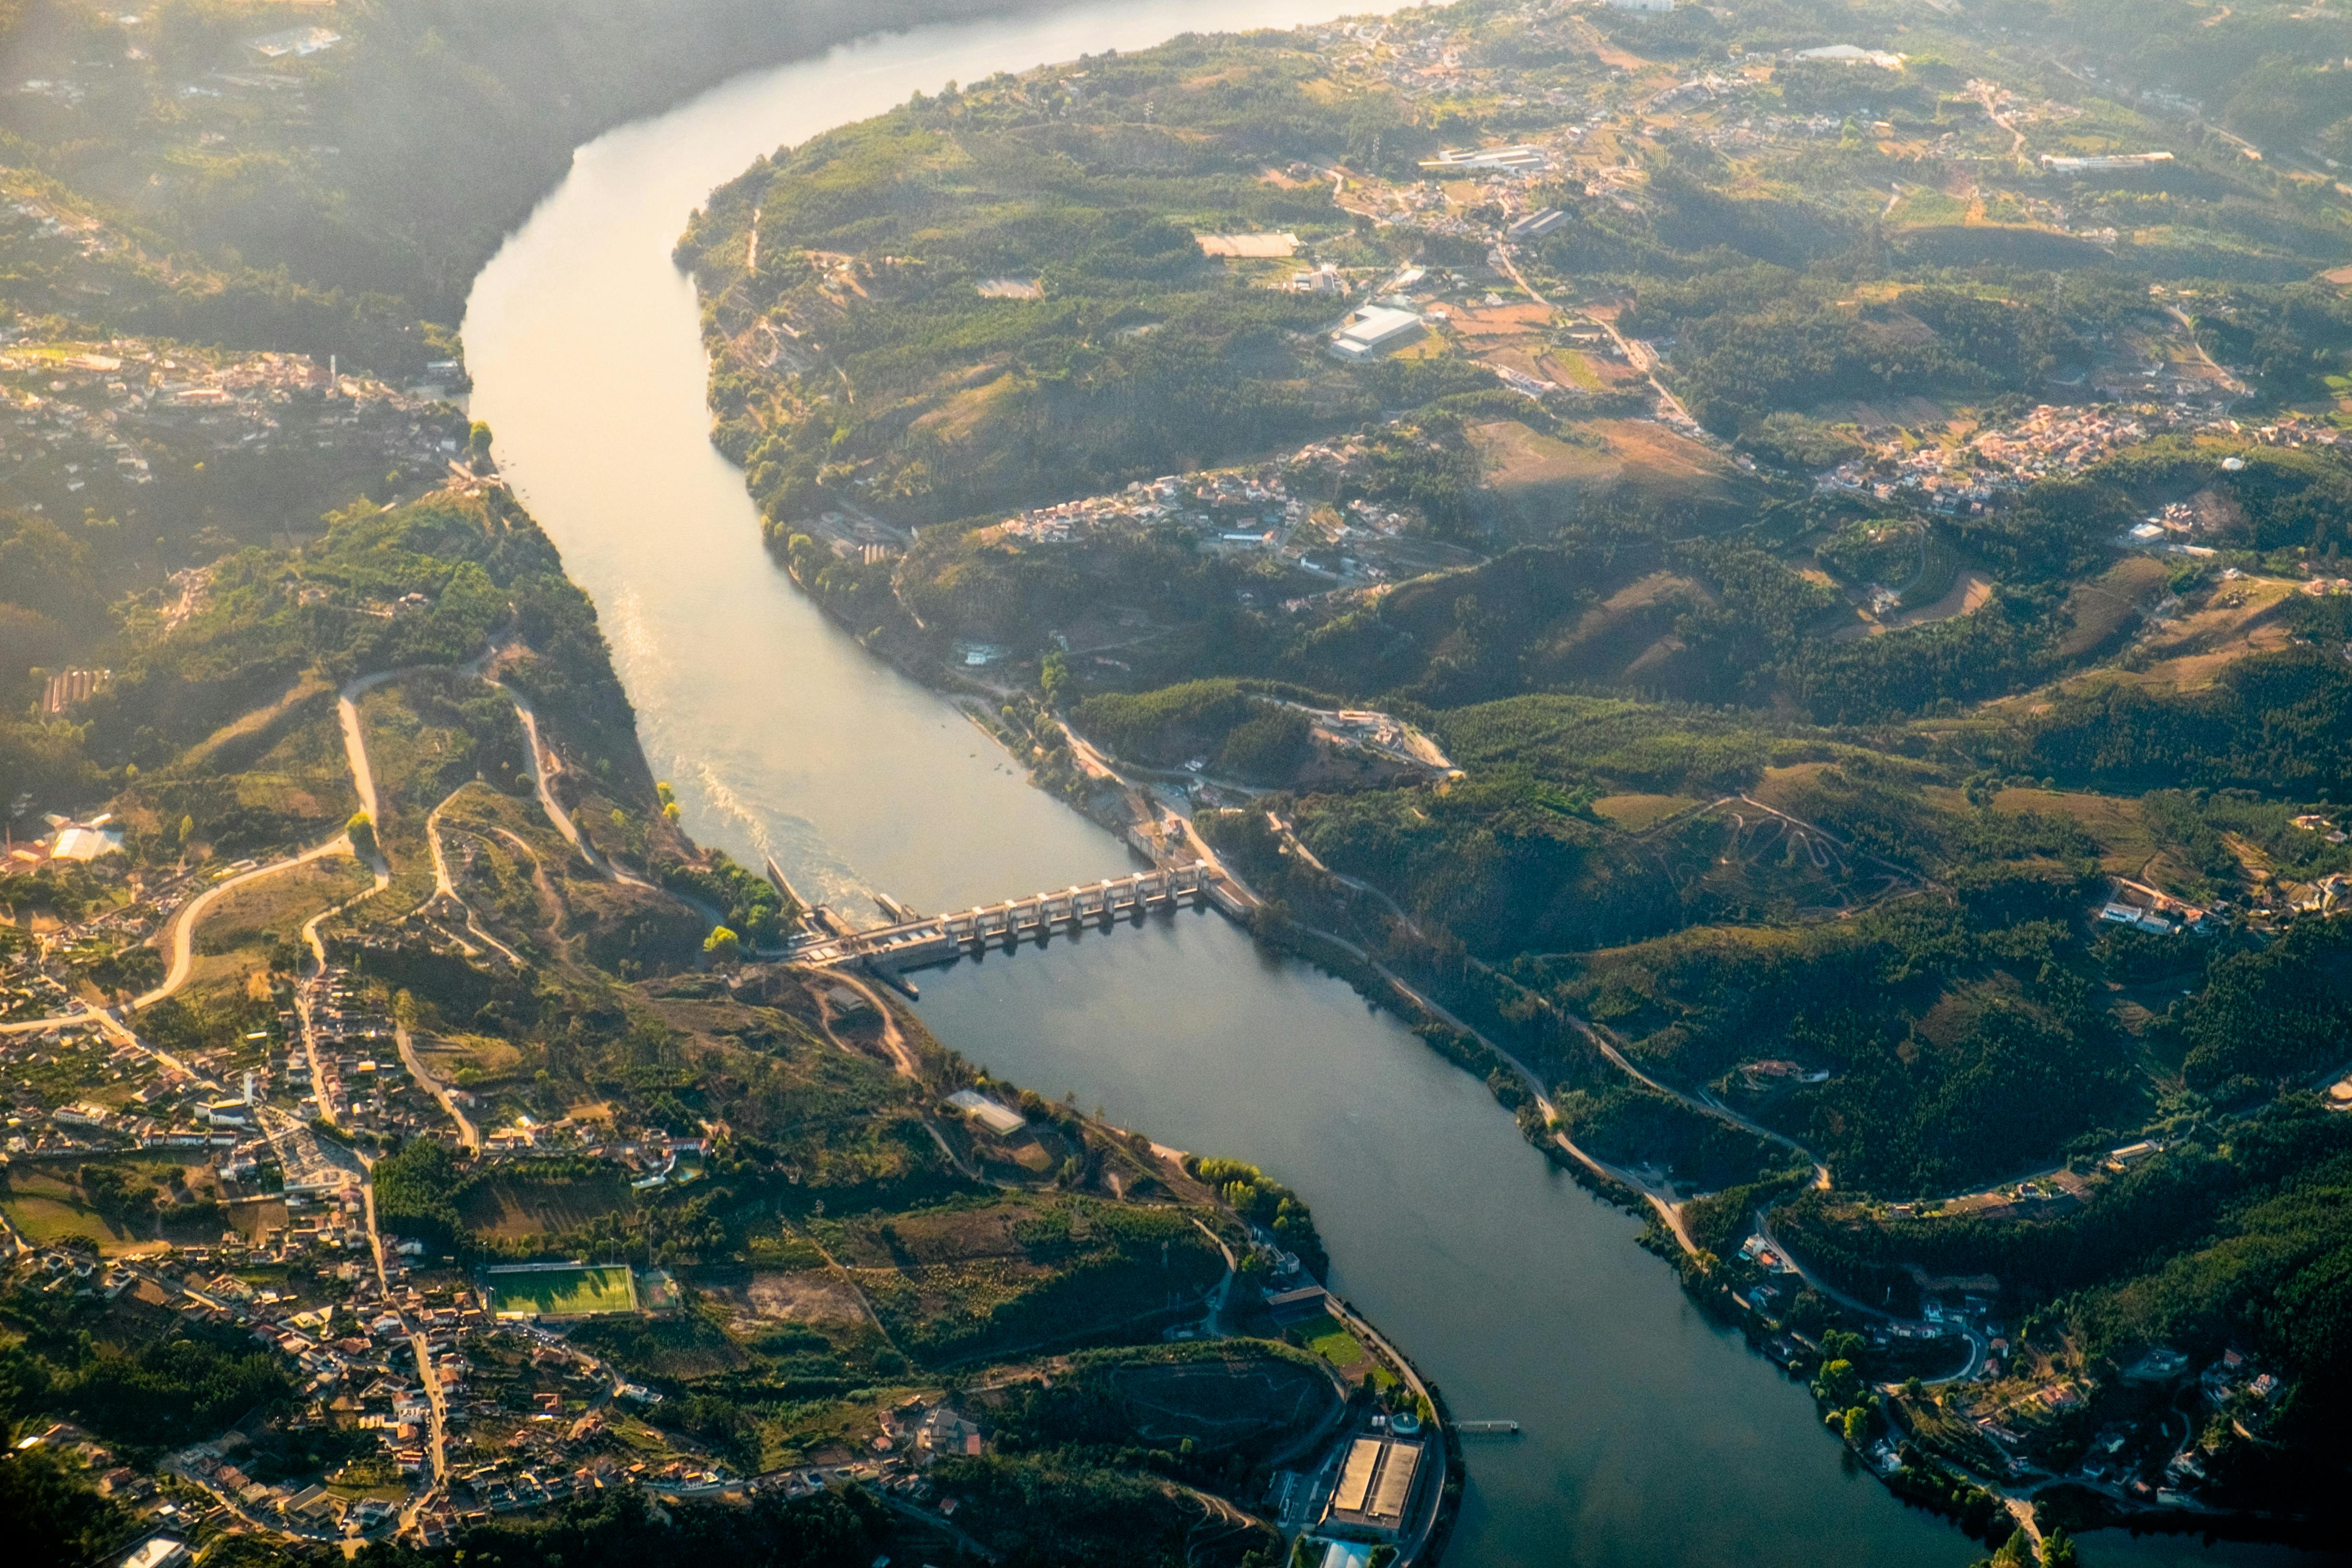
1652	1437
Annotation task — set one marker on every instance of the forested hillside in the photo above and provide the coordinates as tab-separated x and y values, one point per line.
1857	492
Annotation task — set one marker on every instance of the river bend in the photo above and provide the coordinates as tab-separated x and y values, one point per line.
1653	1437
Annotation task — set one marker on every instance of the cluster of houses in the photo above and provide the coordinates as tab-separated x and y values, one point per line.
112	411
351	1350
2056	441
135	1099
347	1034
1243	511
2139	907
1228	507
2052	441
123	1097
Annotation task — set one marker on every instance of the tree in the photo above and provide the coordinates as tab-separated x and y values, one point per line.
723	946
362	828
1839	1383
54	1515
477	446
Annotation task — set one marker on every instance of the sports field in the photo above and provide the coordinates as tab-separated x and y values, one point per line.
563	1293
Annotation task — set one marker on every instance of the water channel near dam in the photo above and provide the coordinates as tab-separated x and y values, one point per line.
1652	1437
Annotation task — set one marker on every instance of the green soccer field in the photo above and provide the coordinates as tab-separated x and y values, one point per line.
563	1292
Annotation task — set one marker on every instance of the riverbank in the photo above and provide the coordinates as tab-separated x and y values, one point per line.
1100	790
1651	1438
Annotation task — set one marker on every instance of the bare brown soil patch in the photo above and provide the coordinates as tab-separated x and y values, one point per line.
813	1297
1502	320
1972	593
2101	607
1659	459
1517	458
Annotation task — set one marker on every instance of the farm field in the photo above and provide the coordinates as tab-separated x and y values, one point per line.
509	1210
273	908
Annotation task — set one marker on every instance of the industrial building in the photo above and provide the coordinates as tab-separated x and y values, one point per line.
1376	332
1375	1485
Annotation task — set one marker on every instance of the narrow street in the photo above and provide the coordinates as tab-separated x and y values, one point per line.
425	1374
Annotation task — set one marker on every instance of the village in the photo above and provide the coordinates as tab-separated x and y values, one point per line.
107	413
1256	510
453	1395
2015	1410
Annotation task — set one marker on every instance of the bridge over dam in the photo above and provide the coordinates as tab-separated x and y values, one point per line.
924	940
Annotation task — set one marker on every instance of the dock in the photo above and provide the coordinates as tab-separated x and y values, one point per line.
1487	1429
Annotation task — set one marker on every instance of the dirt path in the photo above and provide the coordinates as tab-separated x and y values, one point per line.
554	931
843	1273
445	890
468	1135
183	924
2230	383
894	1039
544	765
347	708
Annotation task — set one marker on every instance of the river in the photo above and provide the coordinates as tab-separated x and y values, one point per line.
1651	1435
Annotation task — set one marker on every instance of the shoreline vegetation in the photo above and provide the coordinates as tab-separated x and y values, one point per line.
1884	788
1969	1502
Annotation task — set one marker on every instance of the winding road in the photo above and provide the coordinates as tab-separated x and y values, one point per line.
541	771
1668	1205
178	934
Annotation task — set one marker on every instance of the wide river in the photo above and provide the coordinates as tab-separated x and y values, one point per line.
1651	1435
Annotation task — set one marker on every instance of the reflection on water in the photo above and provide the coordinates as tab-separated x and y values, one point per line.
1651	1435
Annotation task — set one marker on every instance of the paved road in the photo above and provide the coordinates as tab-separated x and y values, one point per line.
1634	355
431	1380
1430	1484
1669	1207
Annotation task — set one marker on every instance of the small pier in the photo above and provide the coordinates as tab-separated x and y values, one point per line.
1487	1429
